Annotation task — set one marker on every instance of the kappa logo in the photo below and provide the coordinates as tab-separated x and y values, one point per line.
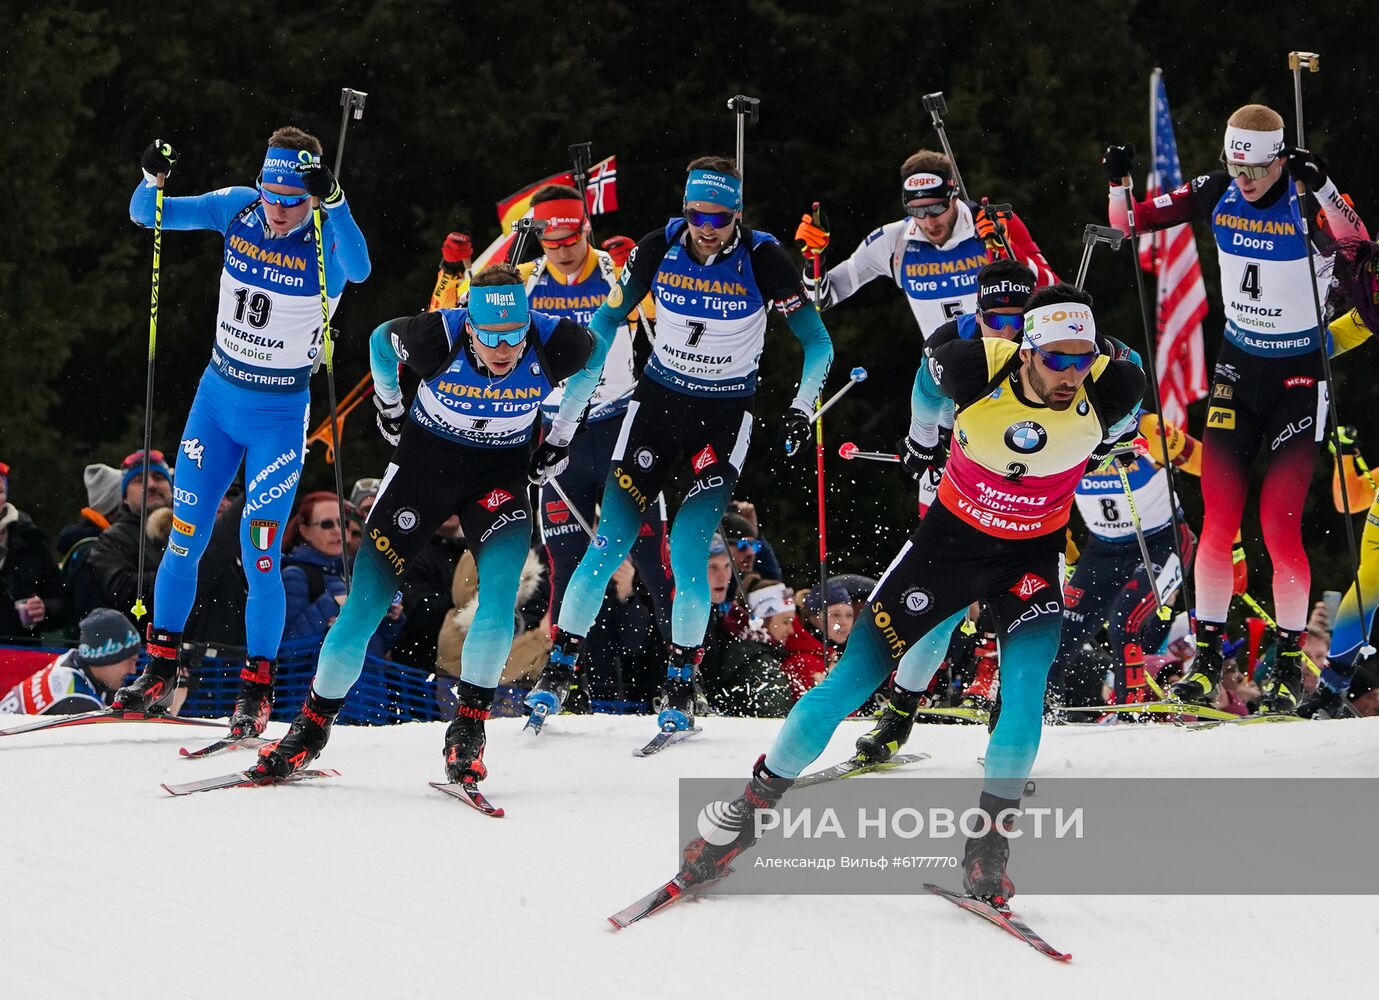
406	519
180	525
193	449
495	499
1221	418
264	564
557	512
262	533
1299	381
1029	585
704	459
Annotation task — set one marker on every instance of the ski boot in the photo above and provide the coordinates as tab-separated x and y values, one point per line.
465	738
678	689
1282	686
892	728
728	830
255	701
151	692
558	677
1199	686
984	859
305	740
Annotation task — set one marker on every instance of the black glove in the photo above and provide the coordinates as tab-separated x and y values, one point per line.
547	462
389	419
1117	162
320	183
916	457
159	158
795	431
1305	166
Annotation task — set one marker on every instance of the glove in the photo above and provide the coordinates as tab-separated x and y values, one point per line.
1306	167
991	229
320	183
619	248
389	419
547	462
811	235
795	431
916	457
1117	162
159	158
1349	438
456	252
1240	571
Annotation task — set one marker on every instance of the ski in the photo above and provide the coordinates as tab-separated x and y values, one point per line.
1002	917
100	716
468	792
242	779
1158	708
220	746
849	768
955	712
1246	720
537	719
664	739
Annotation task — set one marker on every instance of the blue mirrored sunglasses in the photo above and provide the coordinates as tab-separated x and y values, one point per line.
492	338
744	544
1003	321
719	220
1062	362
285	200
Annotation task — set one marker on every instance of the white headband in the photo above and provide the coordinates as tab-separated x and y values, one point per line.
772	600
1059	321
1252	148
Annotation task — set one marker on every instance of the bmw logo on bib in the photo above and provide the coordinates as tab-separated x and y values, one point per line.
1026	437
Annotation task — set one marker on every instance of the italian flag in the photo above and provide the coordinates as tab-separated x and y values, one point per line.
262	533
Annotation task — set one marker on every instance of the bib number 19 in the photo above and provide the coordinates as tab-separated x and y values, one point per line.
253	308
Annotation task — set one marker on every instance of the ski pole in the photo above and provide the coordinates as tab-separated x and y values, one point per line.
819	431
937	108
598	541
138	611
1091	236
855	376
522	231
1297	62
581	153
848	452
743	107
1162	608
1264	616
352	103
1151	369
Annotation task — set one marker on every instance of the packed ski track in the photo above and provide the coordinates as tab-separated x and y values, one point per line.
372	884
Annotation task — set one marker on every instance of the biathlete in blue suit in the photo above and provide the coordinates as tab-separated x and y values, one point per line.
252	403
465	448
713	282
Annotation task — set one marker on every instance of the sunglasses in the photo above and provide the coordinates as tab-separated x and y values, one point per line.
328	524
1062	362
719	220
748	544
1250	172
492	338
1003	321
927	211
154	456
285	200
567	241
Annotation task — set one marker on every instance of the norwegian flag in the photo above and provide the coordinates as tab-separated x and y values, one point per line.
1171	256
600	191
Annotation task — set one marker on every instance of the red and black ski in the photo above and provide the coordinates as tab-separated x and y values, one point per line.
100	716
468	792
653	902
243	779
221	746
1002	917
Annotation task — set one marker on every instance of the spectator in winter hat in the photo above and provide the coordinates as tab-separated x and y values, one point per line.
33	597
363	495
102	501
766	564
773	603
114	562
810	657
81	679
1364	691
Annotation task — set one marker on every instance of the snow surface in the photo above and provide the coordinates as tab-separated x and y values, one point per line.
373	885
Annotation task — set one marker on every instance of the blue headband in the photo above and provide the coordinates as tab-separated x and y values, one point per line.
490	305
711	186
136	471
281	166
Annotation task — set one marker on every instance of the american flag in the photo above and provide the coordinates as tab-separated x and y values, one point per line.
1171	256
